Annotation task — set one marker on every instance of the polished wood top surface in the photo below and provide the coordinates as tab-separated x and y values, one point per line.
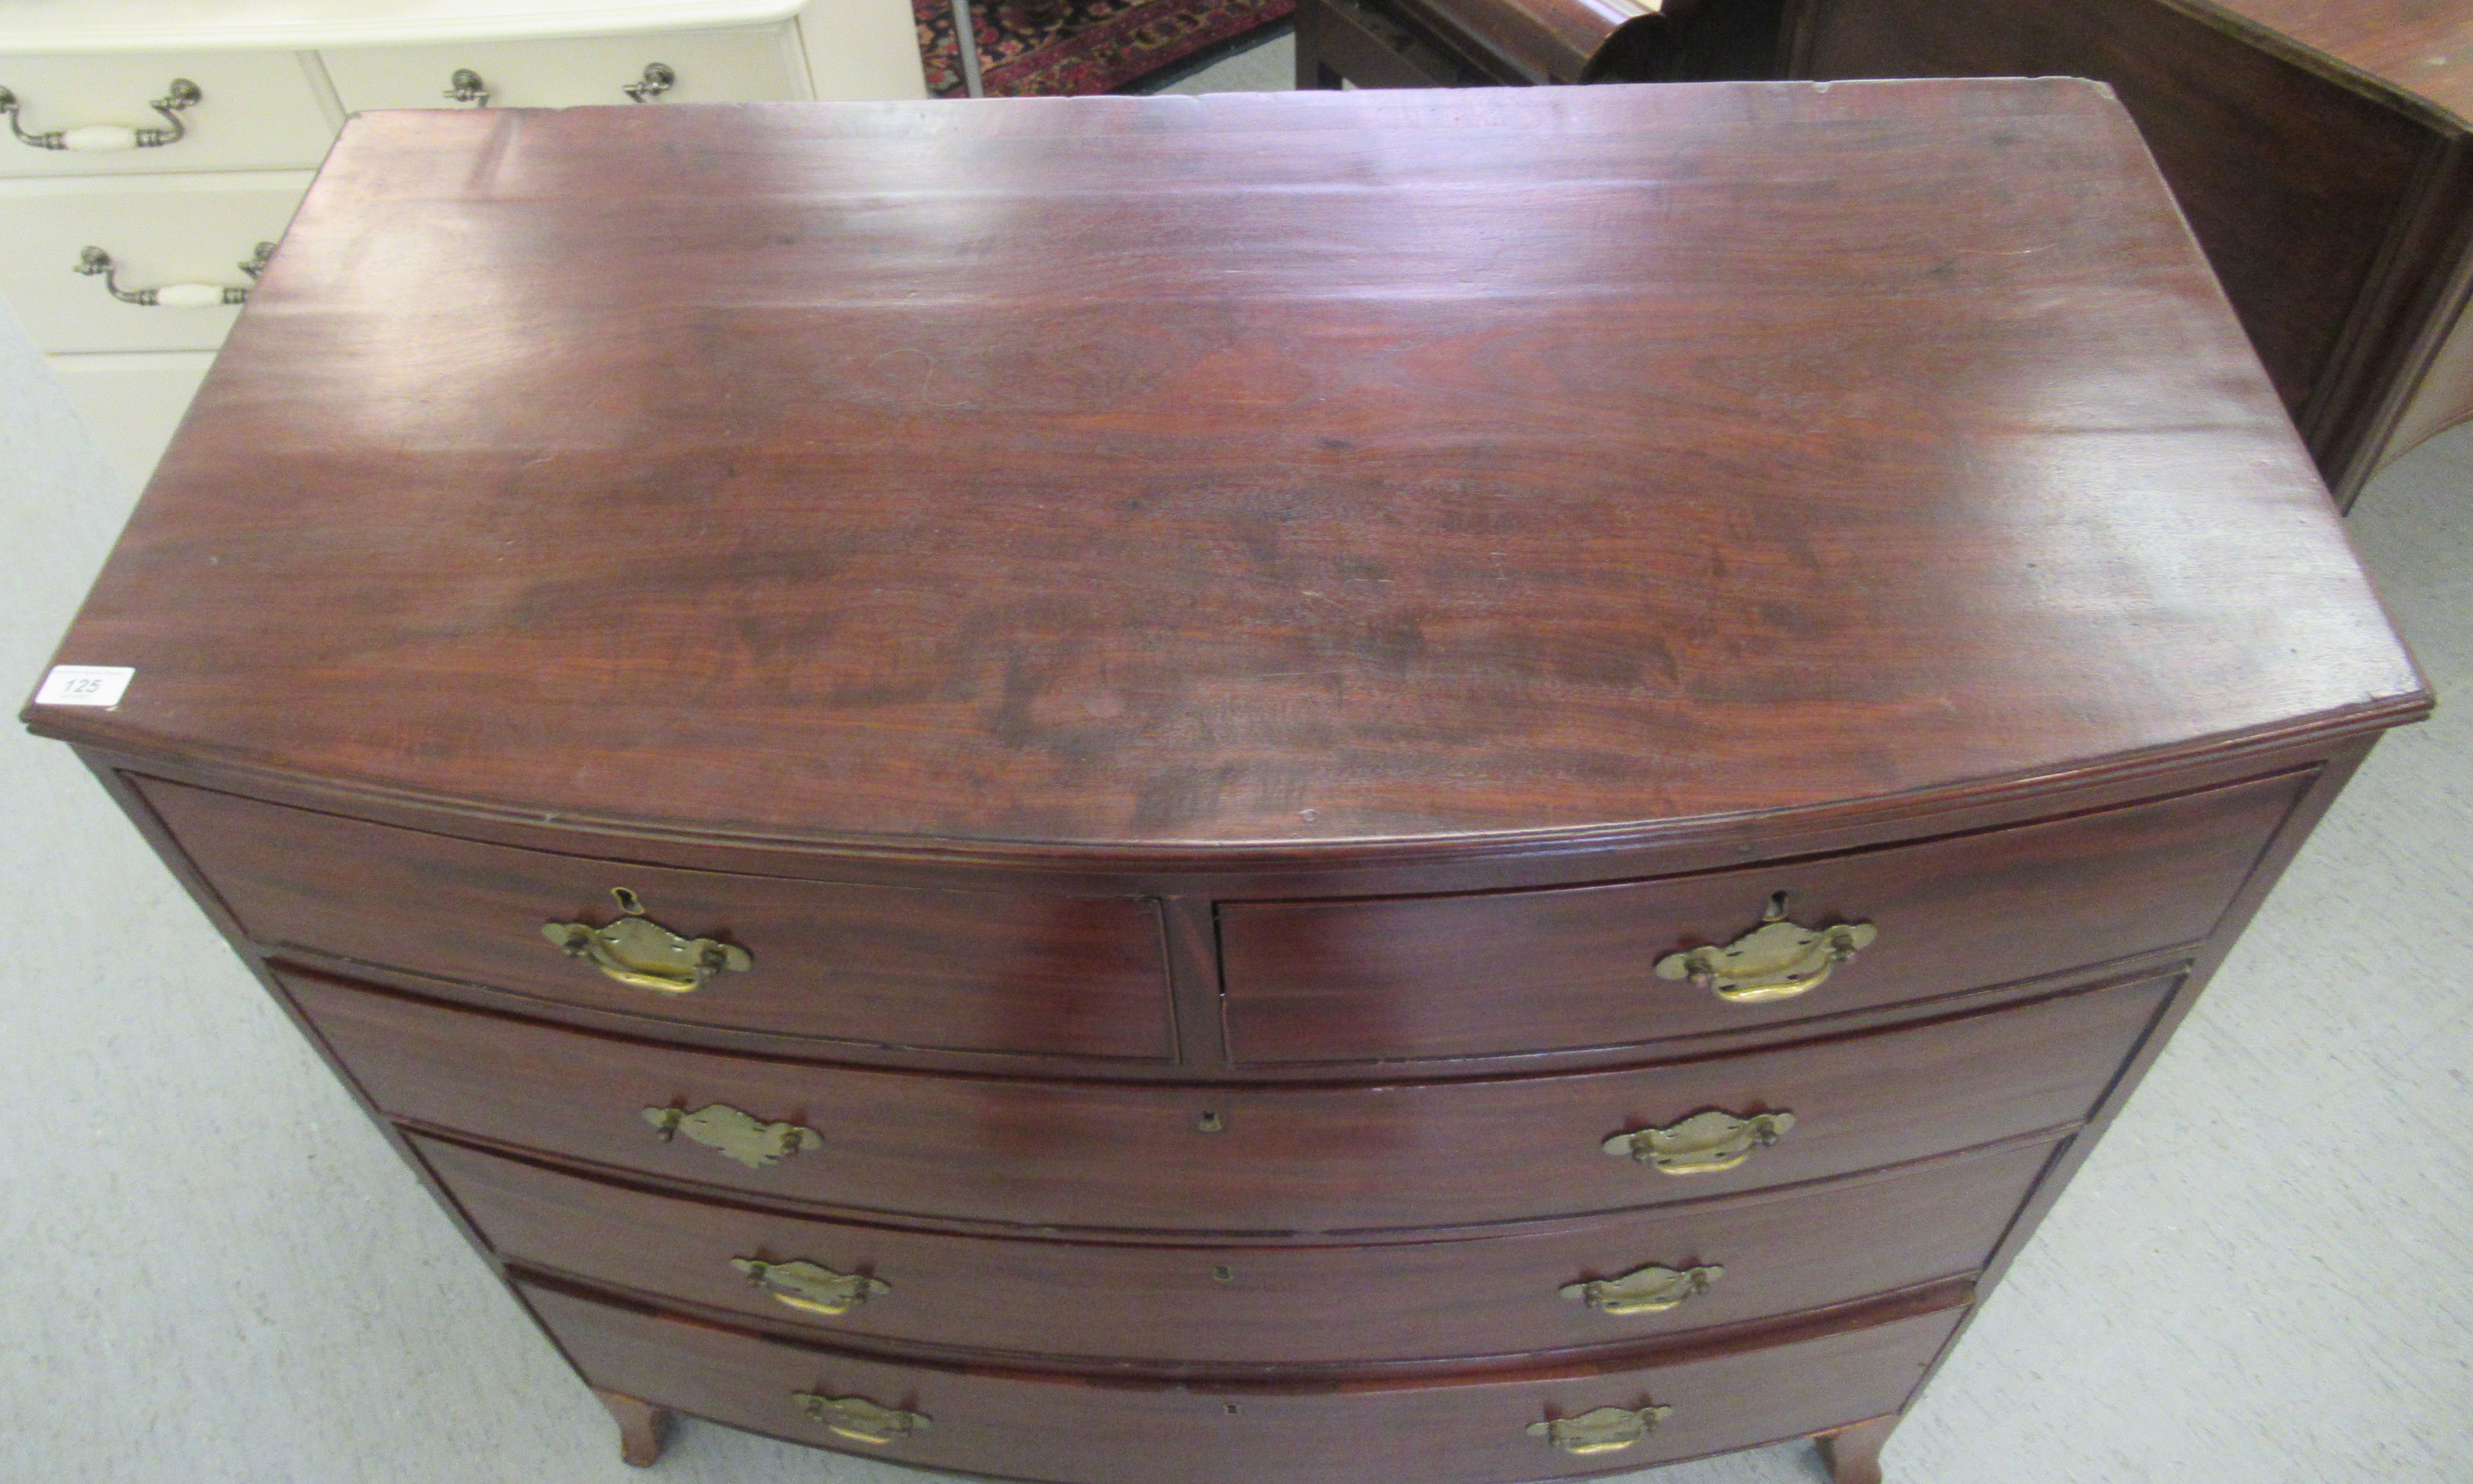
2423	48
1170	472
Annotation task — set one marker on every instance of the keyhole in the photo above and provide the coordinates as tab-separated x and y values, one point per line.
1209	1122
628	901
1776	912
1223	1274
1232	1408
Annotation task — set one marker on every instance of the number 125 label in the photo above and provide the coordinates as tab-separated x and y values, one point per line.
85	684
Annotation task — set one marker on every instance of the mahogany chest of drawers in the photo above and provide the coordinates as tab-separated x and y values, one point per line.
1460	787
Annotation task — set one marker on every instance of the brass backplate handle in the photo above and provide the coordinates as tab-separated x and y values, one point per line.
742	1137
639	953
810	1286
859	1418
1777	960
1608	1429
1702	1144
1648	1291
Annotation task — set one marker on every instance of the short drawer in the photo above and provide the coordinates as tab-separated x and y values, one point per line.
1275	1159
156	230
252	110
885	966
1543	971
133	402
1731	1261
1025	1426
756	65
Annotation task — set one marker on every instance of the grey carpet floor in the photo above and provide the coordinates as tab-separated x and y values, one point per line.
210	1269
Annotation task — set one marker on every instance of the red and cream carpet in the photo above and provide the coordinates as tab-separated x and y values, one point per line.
1030	47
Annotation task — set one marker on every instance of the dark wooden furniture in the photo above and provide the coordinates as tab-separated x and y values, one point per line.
1469	43
1041	788
2319	148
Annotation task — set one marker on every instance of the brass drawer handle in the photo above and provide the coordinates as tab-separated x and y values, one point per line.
1777	960
809	1286
860	1420
641	953
1608	1429
103	138
1702	1144
741	1137
94	261
1648	1291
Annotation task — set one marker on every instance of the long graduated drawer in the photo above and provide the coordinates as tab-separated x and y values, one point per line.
1026	1426
1061	1154
1595	1283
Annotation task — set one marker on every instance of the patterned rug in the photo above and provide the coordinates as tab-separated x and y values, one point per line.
1080	46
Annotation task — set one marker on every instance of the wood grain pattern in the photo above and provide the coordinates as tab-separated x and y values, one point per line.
1547	463
1525	971
2317	146
1400	1155
2288	175
1025	1426
1279	1309
955	969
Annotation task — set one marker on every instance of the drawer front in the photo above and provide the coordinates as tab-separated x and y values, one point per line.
758	64
1756	1256
254	110
133	403
887	966
1525	971
158	230
1022	1426
1231	1160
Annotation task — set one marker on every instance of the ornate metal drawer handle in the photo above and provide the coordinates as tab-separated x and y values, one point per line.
94	261
742	1137
1608	1429
860	1420
659	78
1774	961
807	1285
1777	960
465	86
102	137
1648	1291
641	953
1702	1144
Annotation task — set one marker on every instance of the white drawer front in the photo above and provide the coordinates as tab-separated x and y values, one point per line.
754	65
133	403
158	230
255	110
